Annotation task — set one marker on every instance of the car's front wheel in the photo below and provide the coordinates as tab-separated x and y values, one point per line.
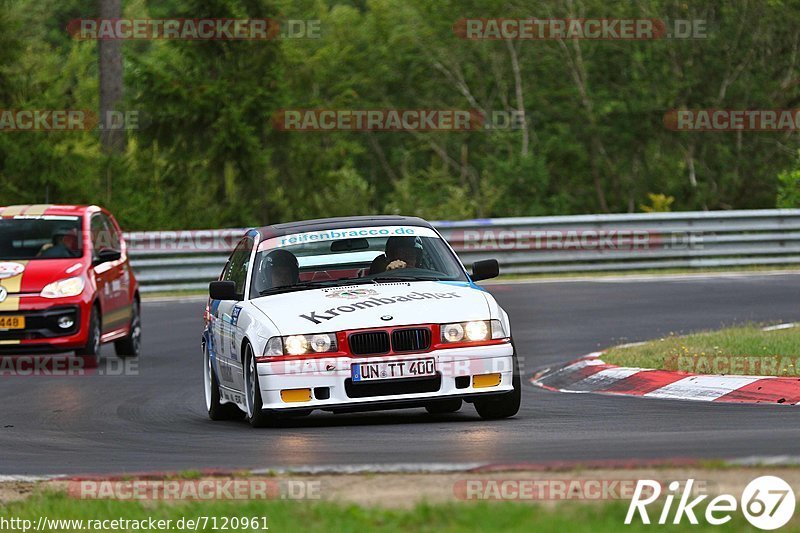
255	414
216	409
505	405
131	344
90	354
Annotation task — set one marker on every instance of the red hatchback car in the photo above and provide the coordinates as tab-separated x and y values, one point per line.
66	282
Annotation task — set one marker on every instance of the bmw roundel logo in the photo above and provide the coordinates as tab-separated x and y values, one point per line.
386	318
3	294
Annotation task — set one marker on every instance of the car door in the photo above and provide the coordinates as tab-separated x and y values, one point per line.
107	275
120	294
225	316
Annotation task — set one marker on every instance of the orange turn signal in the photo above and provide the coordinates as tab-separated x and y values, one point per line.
296	395
486	380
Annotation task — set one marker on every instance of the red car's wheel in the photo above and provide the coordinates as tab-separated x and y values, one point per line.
91	352
131	345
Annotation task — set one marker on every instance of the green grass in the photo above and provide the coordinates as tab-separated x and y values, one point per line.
331	517
739	350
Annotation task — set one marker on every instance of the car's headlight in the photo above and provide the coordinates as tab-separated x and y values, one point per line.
63	288
301	344
274	347
474	331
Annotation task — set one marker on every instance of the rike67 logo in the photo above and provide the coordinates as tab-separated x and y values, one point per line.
767	503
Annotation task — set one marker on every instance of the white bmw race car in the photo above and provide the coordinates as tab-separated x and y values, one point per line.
354	314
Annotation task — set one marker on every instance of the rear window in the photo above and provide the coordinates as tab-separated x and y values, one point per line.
48	237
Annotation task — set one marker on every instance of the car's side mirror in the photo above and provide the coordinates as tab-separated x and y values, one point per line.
487	269
223	290
106	255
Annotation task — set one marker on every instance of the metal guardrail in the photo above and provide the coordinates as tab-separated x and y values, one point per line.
187	260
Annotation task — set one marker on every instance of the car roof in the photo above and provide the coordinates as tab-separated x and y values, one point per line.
288	228
36	210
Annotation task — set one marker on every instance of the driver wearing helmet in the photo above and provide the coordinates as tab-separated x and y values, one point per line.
401	252
279	269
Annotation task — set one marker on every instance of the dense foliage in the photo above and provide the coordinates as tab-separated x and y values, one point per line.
207	155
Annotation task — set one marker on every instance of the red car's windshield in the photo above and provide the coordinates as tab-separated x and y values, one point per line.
48	237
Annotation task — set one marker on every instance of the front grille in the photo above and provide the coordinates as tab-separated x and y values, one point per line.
369	343
18	335
42	324
411	340
392	387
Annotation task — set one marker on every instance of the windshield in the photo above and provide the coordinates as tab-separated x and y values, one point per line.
353	256
49	237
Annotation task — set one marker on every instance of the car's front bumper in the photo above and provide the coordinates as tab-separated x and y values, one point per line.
330	386
42	333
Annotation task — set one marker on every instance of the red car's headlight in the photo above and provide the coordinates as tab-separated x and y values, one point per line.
63	288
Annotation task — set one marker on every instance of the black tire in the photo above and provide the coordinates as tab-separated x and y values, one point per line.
257	416
131	345
505	405
442	407
90	354
216	409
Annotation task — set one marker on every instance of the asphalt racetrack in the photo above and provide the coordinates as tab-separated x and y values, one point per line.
156	420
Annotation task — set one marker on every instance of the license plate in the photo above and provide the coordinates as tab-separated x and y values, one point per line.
410	368
12	322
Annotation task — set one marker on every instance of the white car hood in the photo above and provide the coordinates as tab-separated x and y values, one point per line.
366	306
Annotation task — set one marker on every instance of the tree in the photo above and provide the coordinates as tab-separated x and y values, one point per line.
112	136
